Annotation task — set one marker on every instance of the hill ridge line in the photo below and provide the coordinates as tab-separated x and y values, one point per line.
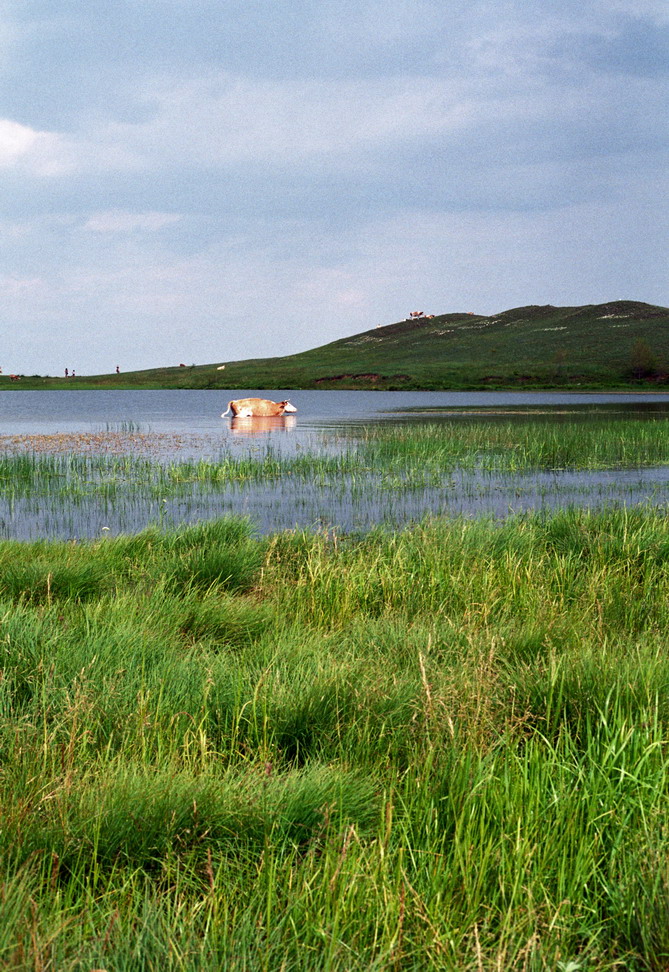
614	344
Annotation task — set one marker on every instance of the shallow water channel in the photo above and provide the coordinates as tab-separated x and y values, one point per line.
83	439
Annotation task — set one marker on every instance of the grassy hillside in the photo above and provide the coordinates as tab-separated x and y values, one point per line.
616	344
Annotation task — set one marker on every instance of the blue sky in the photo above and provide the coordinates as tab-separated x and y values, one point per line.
209	180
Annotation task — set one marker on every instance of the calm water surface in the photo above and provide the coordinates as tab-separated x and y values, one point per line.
172	425
197	414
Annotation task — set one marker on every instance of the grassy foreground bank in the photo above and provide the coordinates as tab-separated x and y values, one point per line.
445	748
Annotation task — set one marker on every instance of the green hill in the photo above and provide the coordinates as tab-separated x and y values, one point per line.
618	344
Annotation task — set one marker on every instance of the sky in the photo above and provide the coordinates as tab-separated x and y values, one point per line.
203	181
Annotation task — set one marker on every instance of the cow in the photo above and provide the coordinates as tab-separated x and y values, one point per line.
254	407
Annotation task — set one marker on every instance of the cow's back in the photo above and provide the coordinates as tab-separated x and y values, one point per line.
252	407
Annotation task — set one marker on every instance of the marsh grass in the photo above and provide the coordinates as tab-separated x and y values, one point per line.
390	449
359	476
443	747
517	445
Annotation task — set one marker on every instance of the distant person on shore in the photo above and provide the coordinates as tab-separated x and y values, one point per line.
118	370
73	375
66	372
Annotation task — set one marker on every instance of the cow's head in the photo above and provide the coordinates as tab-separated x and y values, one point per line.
287	407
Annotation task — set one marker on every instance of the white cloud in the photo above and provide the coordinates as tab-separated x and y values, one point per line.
368	24
15	141
15	286
228	119
514	72
41	153
654	10
524	51
119	221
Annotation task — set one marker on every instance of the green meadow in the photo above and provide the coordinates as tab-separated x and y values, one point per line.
440	747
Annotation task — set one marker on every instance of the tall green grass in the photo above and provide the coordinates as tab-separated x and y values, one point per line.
439	748
517	446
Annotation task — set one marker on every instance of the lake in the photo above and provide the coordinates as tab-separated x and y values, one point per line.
198	413
172	426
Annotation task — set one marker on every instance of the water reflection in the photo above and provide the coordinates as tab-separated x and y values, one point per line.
261	424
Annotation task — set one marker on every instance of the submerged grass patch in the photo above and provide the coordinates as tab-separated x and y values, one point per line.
443	747
388	449
390	473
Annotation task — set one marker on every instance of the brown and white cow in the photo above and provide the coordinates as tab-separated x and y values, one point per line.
255	407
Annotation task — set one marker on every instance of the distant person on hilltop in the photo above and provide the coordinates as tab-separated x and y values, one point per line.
118	370
66	372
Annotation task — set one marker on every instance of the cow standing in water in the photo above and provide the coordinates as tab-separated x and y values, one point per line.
256	407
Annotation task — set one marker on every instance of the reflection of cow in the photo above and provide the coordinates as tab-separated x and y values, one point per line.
252	407
261	425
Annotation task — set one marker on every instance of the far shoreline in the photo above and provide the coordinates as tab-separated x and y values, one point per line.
95	385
